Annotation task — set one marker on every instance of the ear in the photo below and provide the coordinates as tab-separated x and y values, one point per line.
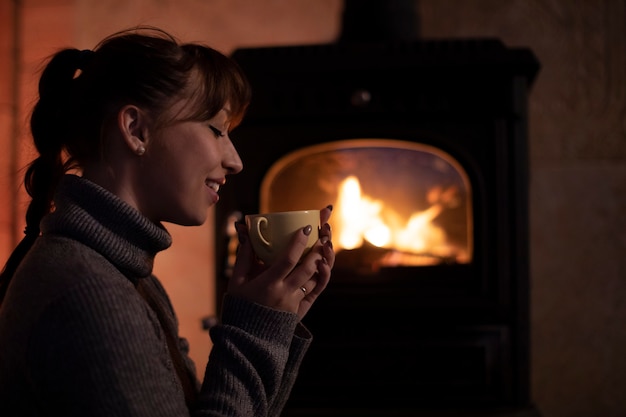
133	124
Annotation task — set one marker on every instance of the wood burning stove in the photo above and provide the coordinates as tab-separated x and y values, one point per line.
433	131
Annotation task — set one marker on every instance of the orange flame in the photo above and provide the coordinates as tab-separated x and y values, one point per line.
359	218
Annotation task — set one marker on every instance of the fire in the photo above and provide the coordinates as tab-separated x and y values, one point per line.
359	218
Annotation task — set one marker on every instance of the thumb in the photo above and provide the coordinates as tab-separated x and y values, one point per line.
245	259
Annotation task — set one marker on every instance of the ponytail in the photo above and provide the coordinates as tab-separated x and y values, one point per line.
81	91
49	126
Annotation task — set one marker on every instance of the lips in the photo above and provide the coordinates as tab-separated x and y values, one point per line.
214	184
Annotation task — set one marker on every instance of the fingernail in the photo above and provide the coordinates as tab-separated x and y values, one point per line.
330	207
307	230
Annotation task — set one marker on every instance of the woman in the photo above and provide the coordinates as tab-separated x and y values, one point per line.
129	135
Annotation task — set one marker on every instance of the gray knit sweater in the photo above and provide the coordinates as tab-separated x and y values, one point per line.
77	338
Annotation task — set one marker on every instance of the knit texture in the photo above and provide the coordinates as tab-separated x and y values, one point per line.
78	339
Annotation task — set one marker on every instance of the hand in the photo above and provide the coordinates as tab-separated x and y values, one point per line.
319	280
280	286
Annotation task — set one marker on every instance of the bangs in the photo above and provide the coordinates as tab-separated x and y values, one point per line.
216	81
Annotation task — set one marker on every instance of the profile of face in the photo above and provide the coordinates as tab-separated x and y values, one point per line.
157	136
184	165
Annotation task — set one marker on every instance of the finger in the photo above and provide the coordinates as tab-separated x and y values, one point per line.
245	260
289	260
322	278
325	214
314	287
306	289
325	233
328	254
322	253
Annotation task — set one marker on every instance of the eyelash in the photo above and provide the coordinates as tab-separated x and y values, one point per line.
217	132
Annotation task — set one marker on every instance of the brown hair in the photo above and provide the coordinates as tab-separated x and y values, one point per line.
80	93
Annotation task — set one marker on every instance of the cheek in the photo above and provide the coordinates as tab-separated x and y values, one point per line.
209	155
168	171
187	156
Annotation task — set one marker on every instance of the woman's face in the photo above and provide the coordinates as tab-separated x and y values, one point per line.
184	166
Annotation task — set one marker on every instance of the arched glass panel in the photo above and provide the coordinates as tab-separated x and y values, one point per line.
396	203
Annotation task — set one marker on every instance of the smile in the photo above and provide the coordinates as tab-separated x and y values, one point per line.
213	185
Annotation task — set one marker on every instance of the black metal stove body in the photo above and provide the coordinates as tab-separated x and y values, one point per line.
450	336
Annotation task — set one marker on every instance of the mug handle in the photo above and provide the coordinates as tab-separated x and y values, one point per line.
259	222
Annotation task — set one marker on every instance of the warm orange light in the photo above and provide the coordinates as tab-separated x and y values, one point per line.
359	215
360	218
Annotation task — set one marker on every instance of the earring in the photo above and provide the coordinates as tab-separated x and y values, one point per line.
140	150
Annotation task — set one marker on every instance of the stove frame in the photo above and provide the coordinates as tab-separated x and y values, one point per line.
411	339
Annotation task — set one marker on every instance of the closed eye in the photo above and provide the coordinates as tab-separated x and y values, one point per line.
217	132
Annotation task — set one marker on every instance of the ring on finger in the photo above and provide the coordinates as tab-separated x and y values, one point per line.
303	289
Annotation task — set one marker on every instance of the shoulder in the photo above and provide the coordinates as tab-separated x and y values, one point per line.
93	318
60	272
82	295
64	259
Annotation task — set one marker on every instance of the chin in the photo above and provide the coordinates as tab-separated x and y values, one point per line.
190	219
196	221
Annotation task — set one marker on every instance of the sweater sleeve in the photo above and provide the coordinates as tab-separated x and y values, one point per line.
299	346
253	361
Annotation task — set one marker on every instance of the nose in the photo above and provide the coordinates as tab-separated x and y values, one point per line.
231	161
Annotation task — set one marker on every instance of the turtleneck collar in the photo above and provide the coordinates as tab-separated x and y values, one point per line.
97	218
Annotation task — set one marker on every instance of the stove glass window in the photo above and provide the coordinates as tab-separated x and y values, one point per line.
396	203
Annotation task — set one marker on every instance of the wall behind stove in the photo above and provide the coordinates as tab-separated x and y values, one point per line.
577	189
577	150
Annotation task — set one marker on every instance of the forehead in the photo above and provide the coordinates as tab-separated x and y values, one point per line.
203	99
186	108
195	104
